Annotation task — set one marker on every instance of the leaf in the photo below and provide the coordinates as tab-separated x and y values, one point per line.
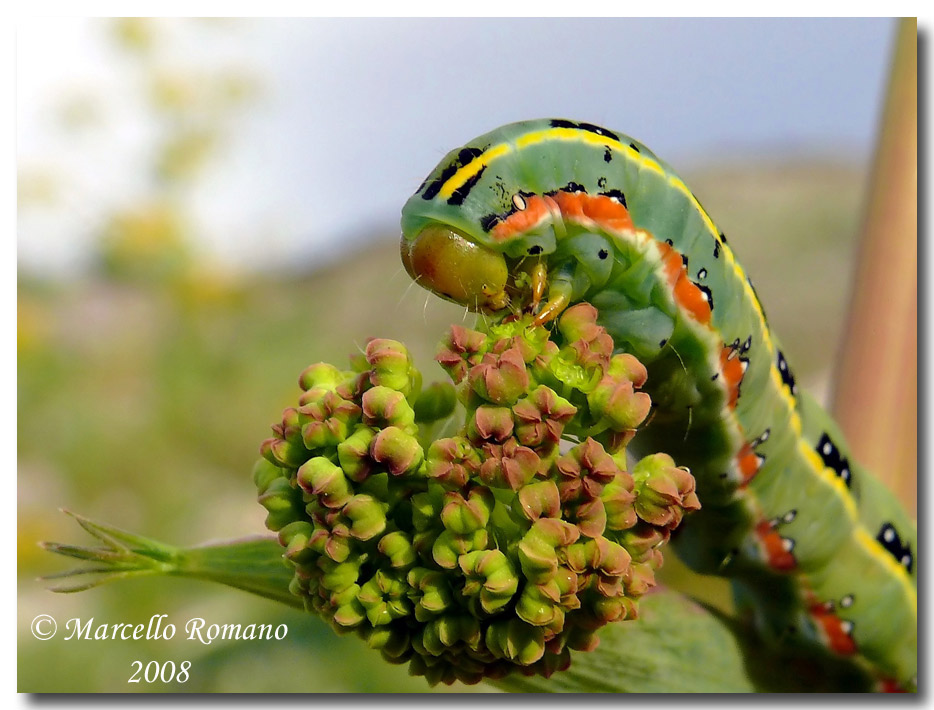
675	646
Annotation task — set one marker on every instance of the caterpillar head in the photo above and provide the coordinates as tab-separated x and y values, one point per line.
453	267
450	241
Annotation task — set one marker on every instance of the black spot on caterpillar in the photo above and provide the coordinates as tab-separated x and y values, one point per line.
892	543
834	460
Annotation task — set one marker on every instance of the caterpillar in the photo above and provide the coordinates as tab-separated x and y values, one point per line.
541	214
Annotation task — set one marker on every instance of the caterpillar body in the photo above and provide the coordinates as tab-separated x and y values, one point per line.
541	214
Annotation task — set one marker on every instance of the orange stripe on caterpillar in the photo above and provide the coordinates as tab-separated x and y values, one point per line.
837	632
577	207
531	211
748	462
733	369
687	294
777	548
600	209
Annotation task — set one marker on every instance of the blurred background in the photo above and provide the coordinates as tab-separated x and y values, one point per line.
205	207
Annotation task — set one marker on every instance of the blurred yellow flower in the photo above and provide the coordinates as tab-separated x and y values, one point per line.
134	33
184	153
171	91
147	241
208	286
32	324
37	187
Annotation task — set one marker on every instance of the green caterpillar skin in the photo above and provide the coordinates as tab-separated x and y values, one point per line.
545	213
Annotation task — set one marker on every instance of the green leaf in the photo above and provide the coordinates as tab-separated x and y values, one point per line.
675	646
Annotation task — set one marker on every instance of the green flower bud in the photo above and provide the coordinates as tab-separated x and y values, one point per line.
457	351
593	354
384	598
384	407
377	484
541	417
443	633
615	399
628	366
490	424
532	343
642	542
294	538
539	547
437	401
332	418
606	610
500	378
465	516
449	546
540	500
539	604
354	454
429	591
600	564
516	641
331	536
618	499
393	643
589	516
391	365
490	578
664	492
399	452
309	397
282	502
452	462
579	322
338	577
321	375
541	365
397	546
264	473
366	515
590	343
291	427
284	454
584	471
639	579
508	466
321	478
426	508
568	584
348	611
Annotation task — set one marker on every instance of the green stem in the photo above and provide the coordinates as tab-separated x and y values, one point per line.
254	565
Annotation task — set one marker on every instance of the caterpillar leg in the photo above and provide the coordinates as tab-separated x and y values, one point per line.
538	283
553	307
539	280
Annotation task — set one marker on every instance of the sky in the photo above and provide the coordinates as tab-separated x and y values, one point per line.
355	112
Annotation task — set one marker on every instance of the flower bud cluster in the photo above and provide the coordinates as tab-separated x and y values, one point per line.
494	550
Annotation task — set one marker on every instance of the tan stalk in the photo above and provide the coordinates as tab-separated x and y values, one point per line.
875	398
